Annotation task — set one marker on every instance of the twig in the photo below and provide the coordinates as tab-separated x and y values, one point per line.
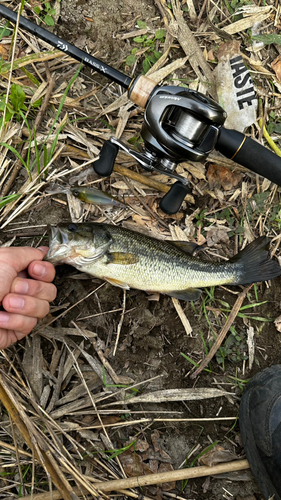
220	338
158	478
182	316
201	13
120	322
130	423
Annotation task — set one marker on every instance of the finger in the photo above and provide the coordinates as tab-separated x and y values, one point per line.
14	260
7	276
25	305
9	337
22	274
16	322
43	271
20	257
33	288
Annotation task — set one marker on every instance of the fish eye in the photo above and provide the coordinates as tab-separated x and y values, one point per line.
72	228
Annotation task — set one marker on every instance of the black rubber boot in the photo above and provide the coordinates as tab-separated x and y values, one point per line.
260	426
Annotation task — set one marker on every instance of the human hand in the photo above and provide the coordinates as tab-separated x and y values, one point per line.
25	300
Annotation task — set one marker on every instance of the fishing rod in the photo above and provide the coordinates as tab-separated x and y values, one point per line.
179	125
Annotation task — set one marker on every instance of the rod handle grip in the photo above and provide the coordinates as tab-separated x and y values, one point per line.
249	153
105	164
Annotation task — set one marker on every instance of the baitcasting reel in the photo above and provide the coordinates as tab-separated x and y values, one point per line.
179	125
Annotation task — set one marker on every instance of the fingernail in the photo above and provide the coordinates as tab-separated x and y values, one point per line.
4	318
43	249
21	287
16	302
39	270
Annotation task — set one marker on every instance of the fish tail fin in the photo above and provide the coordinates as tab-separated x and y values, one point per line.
255	263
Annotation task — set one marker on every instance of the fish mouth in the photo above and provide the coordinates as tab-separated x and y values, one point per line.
59	248
53	232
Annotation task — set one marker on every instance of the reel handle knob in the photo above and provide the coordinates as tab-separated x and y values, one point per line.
104	165
172	201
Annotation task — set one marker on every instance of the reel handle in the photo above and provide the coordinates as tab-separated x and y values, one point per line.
250	154
105	164
171	202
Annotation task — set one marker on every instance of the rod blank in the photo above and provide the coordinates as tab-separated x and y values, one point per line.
66	47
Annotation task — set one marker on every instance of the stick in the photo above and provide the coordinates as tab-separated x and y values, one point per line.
220	338
182	316
135	176
120	322
158	478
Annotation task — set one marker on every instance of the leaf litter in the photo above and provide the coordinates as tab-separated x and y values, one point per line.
86	415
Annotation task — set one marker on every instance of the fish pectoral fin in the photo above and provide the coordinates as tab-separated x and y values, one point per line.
188	294
122	258
187	246
115	282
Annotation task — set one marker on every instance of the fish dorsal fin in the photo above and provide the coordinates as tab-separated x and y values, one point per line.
186	246
188	294
122	258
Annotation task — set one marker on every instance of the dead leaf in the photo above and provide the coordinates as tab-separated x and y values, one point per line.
165	395
201	240
219	176
216	455
153	464
154	438
217	235
276	66
133	464
196	170
3	51
141	445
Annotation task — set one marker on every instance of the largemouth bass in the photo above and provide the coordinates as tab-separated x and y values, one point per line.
129	259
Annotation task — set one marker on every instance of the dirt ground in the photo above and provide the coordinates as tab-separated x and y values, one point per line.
152	337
